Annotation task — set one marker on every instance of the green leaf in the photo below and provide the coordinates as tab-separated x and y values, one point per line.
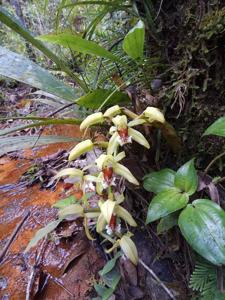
202	224
38	124
22	69
186	178
133	43
77	43
41	233
16	26
103	291
14	143
73	209
96	98
166	223
65	202
157	182
112	278
217	128
110	264
165	203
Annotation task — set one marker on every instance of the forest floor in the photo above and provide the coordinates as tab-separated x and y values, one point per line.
65	267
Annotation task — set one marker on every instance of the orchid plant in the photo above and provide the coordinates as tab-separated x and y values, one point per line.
107	180
101	184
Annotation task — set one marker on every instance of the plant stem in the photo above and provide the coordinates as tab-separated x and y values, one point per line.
213	161
157	279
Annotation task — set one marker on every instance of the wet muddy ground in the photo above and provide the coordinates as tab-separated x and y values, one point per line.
66	269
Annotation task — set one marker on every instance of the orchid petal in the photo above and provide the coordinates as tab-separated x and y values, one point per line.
125	172
71	172
113	143
138	137
107	209
101	223
125	215
136	122
120	121
120	156
129	249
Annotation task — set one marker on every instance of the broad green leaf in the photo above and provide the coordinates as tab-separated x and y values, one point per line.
110	264
65	202
22	69
14	143
166	223
38	124
96	98
10	21
217	128
133	43
186	178
156	182
165	203
41	233
77	43
202	224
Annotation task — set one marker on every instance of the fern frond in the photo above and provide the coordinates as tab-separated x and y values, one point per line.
203	274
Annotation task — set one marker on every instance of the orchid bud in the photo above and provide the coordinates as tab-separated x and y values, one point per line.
112	111
96	118
80	149
153	114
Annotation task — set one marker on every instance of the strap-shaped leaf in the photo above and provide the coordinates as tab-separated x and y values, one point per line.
186	178
217	128
77	43
133	43
22	69
41	233
202	224
14	143
165	203
10	21
157	182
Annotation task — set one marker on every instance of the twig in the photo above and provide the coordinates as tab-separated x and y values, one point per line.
160	6
13	235
213	161
51	115
56	281
157	279
34	271
220	279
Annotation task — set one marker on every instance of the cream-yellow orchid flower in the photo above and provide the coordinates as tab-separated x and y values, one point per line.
109	166
84	183
110	210
123	133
